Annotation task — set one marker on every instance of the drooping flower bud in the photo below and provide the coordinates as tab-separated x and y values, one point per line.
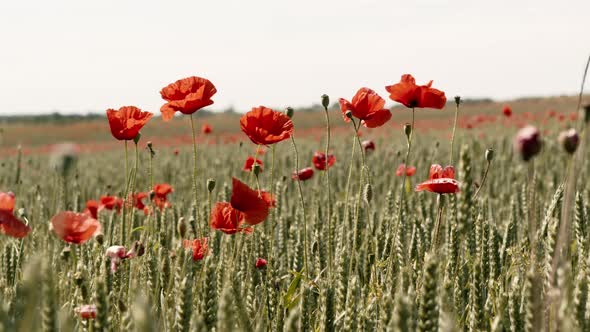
325	101
527	142
408	130
137	138
348	114
569	140
289	112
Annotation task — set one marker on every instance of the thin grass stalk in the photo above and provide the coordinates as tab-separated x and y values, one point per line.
302	202
195	172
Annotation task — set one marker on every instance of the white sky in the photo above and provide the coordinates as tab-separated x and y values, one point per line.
79	55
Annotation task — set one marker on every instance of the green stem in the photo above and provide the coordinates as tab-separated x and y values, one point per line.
483	181
195	180
435	245
347	194
329	194
453	135
302	208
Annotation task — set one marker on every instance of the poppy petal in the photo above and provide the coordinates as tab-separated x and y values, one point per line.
12	226
377	118
7	201
247	201
75	227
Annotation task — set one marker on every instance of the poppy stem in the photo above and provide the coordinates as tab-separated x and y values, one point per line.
302	200
435	244
329	194
457	102
483	181
131	199
346	209
195	180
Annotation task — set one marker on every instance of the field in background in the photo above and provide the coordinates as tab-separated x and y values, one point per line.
481	118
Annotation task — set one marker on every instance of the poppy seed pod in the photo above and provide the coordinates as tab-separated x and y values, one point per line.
325	100
210	184
527	142
457	100
489	154
289	112
569	140
408	130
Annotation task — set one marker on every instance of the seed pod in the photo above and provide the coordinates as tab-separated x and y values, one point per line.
457	100
289	112
325	101
408	130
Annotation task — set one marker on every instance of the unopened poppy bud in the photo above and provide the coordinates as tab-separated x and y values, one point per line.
65	253
261	263
569	140
99	238
22	213
587	113
408	130
181	227
457	100
137	138
368	193
289	112
210	184
527	142
348	114
325	101
256	169
152	195
489	154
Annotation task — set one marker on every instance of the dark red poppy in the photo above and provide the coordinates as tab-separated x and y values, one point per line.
440	181
409	94
320	163
367	106
198	247
261	263
368	146
176	152
250	163
401	169
227	219
187	96
507	111
254	206
75	227
161	192
111	203
87	311
206	129
92	208
552	113
527	142
266	126
127	122
303	174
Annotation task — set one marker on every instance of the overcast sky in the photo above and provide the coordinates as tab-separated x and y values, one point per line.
78	56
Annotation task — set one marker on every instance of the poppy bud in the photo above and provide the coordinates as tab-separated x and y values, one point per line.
408	130
152	195
569	140
489	154
137	138
325	101
256	169
99	238
457	100
587	113
289	112
210	184
527	142
348	114
181	227
65	253
261	263
22	213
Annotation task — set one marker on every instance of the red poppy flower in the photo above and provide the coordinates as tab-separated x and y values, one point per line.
440	181
75	227
303	174
138	200
401	169
198	246
409	94
261	263
87	311
127	122
319	161
187	96
111	203
507	111
250	163
92	208
161	192
367	106
368	146
227	219
9	224
265	126
206	129
253	206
